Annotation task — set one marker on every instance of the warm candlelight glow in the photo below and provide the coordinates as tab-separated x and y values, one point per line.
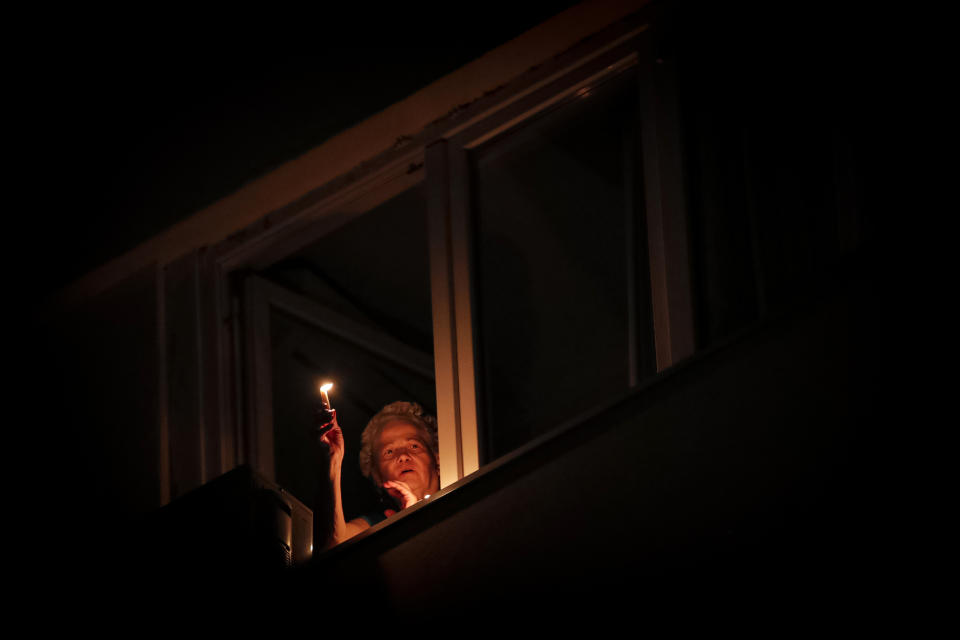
324	398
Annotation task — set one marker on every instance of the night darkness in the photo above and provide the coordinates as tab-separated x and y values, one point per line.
130	131
135	129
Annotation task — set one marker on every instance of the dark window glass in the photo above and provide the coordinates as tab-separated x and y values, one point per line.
723	247
562	277
767	167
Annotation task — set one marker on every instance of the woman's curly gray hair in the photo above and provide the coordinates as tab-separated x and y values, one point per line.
408	412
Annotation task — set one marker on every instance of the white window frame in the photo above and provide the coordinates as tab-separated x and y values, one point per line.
448	174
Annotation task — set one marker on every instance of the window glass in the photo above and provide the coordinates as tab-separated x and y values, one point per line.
562	277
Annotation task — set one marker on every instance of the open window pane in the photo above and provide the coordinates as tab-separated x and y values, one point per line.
562	276
352	308
366	380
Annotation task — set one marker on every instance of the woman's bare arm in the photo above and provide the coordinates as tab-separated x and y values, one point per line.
332	437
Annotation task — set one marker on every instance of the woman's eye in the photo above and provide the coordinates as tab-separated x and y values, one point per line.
415	446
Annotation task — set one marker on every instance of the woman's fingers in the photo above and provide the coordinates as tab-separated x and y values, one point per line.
333	439
400	491
326	418
327	426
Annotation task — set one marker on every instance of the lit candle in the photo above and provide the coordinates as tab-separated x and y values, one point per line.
324	398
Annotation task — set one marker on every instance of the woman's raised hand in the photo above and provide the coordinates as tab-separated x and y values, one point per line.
401	493
328	433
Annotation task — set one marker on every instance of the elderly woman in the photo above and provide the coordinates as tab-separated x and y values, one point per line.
398	453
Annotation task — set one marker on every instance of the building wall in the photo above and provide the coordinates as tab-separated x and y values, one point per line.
97	387
748	467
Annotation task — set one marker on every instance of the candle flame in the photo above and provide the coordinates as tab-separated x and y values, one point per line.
326	386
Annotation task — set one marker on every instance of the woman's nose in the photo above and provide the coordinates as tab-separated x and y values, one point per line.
403	453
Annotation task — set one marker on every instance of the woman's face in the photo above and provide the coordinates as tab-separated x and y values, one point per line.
403	454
